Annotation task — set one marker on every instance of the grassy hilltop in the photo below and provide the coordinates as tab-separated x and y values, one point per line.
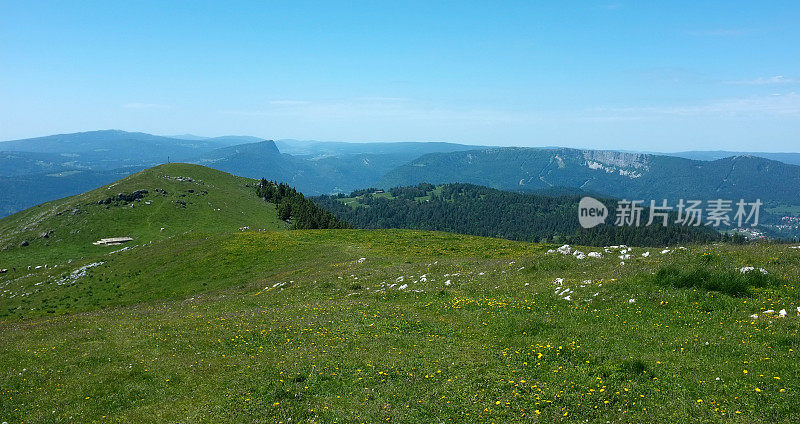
206	323
180	198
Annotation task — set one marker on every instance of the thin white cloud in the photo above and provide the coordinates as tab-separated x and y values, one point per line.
722	32
777	79
135	105
288	102
776	105
383	99
408	112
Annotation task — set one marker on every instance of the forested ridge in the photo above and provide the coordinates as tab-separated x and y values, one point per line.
477	210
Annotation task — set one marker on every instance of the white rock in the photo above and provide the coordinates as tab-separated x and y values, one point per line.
403	287
631	300
645	254
595	255
782	312
447	283
754	316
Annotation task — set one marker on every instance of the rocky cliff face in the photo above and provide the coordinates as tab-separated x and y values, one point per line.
618	159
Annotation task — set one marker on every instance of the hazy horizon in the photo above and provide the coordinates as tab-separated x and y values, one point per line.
420	141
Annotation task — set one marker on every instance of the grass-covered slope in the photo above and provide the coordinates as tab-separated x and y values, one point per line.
180	198
403	326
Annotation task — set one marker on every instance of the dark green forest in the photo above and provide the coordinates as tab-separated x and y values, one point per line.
294	208
483	211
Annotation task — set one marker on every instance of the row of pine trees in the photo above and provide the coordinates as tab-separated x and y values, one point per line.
294	208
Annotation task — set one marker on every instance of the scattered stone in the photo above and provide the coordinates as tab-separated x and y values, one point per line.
746	269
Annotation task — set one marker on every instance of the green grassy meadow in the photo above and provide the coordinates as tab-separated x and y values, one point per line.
214	324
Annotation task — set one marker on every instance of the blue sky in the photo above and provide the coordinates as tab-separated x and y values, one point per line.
652	76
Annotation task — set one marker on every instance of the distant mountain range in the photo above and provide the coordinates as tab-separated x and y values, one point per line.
69	164
36	170
790	158
615	174
338	148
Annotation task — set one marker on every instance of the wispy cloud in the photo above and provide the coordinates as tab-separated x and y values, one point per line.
777	105
411	112
379	108
722	32
288	102
135	105
610	6
777	79
383	99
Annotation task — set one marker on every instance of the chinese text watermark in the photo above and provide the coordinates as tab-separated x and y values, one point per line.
686	212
